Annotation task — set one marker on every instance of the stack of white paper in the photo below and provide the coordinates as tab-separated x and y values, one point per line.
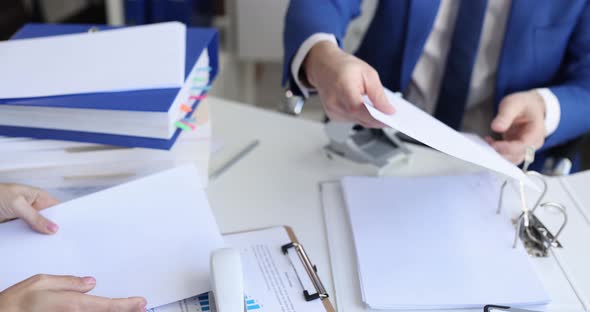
71	169
151	237
135	58
436	243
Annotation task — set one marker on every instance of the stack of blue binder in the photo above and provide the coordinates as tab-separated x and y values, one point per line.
147	105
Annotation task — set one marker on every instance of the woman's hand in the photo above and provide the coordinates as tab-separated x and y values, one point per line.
25	202
51	293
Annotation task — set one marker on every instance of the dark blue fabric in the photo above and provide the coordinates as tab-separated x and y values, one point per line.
307	17
460	61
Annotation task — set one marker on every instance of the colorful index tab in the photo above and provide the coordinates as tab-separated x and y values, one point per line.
199	79
182	125
202	88
185	108
203	69
197	97
188	124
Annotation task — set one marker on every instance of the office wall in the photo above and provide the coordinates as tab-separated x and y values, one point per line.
259	28
255	39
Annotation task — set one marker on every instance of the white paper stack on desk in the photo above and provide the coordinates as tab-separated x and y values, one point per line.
436	243
71	169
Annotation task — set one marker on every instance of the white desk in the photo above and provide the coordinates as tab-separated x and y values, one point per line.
278	182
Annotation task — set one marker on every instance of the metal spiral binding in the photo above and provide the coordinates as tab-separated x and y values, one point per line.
536	237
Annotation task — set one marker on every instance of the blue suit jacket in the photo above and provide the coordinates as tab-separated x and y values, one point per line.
547	44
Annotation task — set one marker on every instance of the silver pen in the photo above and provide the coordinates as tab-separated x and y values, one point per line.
235	159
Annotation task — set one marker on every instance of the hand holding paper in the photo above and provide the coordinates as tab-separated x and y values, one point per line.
25	202
53	293
150	237
341	79
419	125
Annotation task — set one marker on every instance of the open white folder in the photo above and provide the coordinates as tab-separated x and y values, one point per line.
151	237
436	243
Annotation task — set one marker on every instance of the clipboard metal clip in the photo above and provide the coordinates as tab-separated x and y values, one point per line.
536	237
311	270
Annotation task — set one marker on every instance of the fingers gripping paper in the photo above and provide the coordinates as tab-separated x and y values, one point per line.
419	125
150	237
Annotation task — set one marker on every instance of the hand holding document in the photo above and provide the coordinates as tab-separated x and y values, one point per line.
417	124
151	237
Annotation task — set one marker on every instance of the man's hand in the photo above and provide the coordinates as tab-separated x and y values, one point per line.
521	121
51	293
341	80
24	202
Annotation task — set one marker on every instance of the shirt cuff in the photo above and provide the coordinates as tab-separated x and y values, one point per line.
302	53
552	110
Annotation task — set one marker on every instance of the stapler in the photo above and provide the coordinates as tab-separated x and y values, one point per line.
227	281
377	147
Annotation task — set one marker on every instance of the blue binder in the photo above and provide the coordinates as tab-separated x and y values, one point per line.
157	100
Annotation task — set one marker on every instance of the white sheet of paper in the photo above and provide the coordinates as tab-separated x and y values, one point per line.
151	237
414	122
436	243
134	58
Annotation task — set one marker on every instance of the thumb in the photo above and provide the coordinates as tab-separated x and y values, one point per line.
33	218
376	93
508	111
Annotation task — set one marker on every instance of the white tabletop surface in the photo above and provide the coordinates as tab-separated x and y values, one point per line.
277	183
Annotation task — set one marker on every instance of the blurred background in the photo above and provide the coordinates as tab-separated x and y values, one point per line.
250	37
251	50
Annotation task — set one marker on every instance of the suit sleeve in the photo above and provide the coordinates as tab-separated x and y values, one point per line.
307	17
574	90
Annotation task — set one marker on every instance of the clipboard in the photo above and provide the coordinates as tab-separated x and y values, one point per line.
285	245
294	247
311	270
